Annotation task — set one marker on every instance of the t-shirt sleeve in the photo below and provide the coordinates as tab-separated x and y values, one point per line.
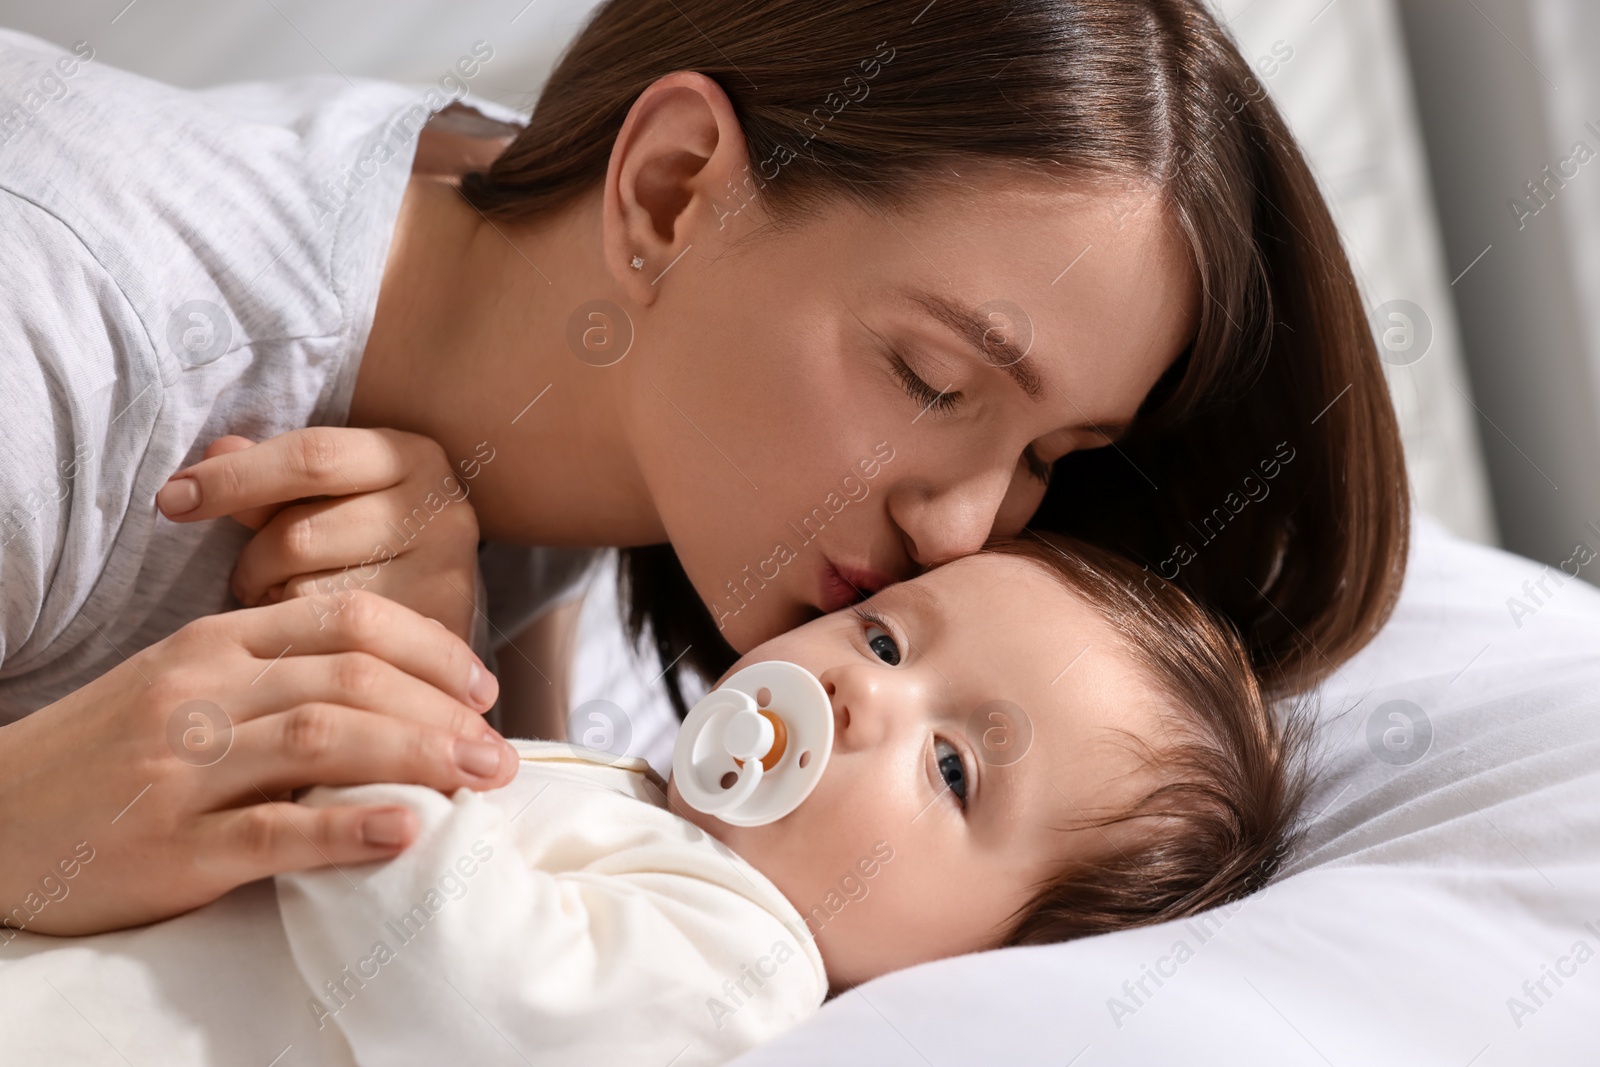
175	266
33	492
481	640
523	582
77	401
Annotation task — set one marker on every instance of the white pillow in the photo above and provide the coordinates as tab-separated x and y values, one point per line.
1428	893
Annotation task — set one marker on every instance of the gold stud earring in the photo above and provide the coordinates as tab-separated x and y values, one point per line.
638	263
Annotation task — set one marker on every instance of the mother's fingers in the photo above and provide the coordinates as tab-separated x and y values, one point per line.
243	844
361	681
315	461
364	622
327	535
326	744
255	518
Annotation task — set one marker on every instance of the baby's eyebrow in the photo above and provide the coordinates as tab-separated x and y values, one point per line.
922	606
920	591
922	602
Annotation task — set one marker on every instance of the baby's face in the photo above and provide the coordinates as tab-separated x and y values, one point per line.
979	717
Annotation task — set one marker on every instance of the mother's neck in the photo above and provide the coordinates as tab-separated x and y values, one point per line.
469	346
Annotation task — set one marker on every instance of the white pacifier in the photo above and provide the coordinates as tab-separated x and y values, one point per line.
750	751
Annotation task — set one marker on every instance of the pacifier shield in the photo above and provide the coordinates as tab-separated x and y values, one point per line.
752	750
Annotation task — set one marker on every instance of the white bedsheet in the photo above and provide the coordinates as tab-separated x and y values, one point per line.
217	985
1429	892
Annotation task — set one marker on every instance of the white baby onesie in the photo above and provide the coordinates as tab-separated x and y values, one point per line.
568	918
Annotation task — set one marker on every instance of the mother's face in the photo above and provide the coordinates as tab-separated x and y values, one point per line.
842	404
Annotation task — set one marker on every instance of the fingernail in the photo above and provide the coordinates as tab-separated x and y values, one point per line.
478	758
482	686
179	496
386	829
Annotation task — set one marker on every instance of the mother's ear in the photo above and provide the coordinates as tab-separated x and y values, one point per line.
668	182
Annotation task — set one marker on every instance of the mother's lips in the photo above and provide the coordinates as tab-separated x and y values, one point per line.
844	585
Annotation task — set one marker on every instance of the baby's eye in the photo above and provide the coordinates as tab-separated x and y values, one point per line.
883	645
951	769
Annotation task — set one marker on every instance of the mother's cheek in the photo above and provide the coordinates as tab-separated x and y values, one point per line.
1022	499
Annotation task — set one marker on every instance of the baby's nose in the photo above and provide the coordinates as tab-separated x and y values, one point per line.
845	725
861	720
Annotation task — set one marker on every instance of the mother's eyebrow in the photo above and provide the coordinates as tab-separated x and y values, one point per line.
971	327
997	351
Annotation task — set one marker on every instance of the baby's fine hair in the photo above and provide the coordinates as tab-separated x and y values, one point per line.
1230	775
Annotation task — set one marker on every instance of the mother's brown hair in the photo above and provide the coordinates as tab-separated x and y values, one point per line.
1264	474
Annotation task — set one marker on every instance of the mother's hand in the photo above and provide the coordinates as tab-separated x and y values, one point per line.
166	773
386	513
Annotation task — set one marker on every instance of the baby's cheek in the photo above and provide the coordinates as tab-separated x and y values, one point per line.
929	901
863	931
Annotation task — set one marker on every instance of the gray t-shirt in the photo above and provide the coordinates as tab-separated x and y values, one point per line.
176	266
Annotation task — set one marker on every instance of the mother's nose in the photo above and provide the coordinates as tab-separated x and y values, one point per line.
941	522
